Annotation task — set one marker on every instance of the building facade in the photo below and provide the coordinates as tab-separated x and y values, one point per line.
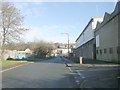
85	43
9	54
14	54
62	49
107	35
23	54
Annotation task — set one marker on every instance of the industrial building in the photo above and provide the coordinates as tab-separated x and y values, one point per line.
85	43
101	38
107	36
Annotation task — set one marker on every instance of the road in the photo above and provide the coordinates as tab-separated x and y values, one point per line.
45	74
54	74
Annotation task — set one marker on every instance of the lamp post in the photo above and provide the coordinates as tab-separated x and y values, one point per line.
68	41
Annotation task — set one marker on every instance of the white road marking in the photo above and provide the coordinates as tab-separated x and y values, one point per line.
80	70
77	81
15	67
81	75
70	69
75	77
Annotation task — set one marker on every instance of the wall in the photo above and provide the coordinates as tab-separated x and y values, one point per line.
85	44
119	35
86	50
21	56
63	51
108	32
85	36
9	54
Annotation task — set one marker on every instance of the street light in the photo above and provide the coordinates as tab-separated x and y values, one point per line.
68	41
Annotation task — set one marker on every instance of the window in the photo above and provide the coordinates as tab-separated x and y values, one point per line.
97	52
118	50
110	50
105	50
100	51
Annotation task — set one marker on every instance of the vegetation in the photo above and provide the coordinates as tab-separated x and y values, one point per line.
40	48
30	45
10	63
11	24
43	49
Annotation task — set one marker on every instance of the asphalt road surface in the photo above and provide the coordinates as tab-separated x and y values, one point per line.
105	76
45	74
54	74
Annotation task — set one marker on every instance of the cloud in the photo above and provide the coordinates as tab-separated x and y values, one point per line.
31	9
47	33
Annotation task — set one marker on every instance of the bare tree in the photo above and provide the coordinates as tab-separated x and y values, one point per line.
10	23
43	49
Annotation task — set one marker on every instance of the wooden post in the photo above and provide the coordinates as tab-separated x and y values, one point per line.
81	60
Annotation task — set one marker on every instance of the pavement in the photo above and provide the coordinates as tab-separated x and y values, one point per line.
106	75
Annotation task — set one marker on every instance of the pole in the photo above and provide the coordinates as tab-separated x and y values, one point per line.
68	45
68	42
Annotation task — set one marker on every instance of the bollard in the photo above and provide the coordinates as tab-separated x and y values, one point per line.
81	59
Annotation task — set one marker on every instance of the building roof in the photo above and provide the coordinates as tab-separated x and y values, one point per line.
109	16
88	25
27	51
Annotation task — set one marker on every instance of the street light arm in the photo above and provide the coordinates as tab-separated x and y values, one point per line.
66	34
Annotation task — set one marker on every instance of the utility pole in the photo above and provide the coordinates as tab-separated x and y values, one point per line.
68	41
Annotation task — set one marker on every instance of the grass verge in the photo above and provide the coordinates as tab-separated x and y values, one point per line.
4	64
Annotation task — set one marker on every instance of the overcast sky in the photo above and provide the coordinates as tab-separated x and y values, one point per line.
47	20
